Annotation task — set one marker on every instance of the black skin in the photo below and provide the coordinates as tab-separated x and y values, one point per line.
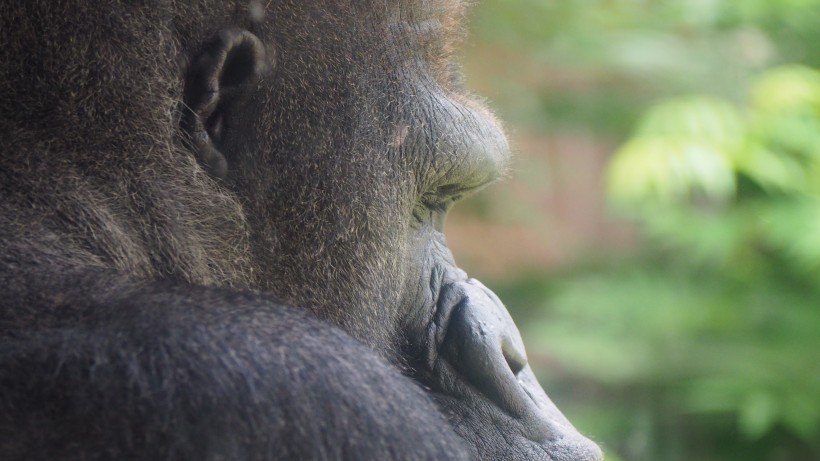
222	238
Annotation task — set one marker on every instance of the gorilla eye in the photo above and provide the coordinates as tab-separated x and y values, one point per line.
431	214
437	204
450	192
433	206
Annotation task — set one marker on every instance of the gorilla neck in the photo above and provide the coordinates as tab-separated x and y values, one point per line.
164	219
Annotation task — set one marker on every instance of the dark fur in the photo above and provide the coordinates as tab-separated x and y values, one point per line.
203	374
145	287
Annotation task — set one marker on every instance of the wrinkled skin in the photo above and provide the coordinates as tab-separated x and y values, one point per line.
341	131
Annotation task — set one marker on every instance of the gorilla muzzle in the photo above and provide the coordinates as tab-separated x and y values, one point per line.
475	351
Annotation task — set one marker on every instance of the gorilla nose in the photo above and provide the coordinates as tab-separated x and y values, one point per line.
479	340
483	344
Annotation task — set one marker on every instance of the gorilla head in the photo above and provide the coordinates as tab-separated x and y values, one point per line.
350	141
331	140
342	128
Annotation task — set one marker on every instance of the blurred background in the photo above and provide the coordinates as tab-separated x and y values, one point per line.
658	237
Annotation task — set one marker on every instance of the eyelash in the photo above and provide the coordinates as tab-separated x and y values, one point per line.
439	202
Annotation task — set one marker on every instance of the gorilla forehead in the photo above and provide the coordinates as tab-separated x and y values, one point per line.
388	80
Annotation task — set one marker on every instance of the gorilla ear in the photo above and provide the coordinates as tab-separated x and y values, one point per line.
217	81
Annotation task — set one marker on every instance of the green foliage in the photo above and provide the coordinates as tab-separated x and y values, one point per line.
721	317
704	343
683	147
597	64
739	183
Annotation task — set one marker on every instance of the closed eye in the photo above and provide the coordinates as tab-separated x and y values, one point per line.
442	198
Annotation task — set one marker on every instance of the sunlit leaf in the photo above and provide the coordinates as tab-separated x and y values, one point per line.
802	412
670	169
683	148
786	88
698	118
769	169
795	228
757	414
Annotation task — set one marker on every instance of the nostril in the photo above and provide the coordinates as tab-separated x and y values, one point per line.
515	358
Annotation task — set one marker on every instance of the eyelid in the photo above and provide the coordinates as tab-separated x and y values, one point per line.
443	197
434	202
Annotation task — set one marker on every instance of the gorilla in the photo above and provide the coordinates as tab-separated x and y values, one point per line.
222	238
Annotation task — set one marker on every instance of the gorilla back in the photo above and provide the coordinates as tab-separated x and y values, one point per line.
222	238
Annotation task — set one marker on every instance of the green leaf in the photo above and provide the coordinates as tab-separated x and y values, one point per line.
758	413
786	89
794	227
770	170
657	169
700	118
683	148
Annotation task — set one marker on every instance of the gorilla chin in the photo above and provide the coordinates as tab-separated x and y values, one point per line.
222	236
